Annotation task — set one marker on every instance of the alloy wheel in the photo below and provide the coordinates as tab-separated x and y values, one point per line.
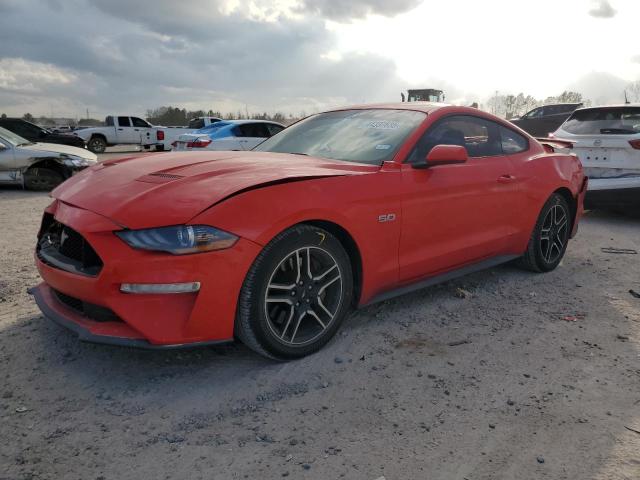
554	233
303	296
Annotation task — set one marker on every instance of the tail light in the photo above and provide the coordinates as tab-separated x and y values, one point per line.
160	134
198	143
635	144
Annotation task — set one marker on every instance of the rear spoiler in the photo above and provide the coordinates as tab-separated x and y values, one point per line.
552	145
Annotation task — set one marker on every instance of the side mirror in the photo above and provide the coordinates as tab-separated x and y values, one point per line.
444	155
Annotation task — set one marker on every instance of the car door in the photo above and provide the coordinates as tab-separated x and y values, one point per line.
143	129
125	132
457	214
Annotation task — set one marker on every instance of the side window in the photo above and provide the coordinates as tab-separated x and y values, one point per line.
273	129
534	113
480	137
261	130
196	123
512	142
138	122
108	121
254	130
124	122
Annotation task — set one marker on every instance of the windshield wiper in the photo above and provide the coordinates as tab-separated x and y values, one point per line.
299	153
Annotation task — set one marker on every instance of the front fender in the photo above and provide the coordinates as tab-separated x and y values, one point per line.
353	203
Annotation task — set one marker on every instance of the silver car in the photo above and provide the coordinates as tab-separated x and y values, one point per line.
39	166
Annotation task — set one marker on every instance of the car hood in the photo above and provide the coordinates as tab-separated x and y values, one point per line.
63	149
169	189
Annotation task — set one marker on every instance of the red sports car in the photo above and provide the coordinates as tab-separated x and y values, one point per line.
275	246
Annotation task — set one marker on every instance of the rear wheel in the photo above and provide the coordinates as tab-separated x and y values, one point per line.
97	144
42	179
296	294
550	236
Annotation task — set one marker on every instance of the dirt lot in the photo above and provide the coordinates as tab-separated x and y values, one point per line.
398	394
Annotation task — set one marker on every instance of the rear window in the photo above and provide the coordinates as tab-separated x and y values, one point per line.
604	121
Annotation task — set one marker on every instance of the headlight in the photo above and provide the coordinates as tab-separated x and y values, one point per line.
75	161
179	240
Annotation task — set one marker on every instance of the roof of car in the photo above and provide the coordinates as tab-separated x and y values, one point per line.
241	121
615	105
425	107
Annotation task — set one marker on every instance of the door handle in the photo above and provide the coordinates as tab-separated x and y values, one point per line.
506	179
121	129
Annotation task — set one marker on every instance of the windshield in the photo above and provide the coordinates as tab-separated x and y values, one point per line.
604	121
12	138
363	136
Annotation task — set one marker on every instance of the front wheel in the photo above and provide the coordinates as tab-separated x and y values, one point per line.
296	294
42	179
97	145
550	236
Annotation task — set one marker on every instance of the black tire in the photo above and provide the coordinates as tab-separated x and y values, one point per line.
270	318
97	144
42	179
550	236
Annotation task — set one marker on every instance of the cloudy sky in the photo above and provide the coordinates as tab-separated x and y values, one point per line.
124	56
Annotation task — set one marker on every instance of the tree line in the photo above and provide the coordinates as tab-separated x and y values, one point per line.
511	106
174	116
507	106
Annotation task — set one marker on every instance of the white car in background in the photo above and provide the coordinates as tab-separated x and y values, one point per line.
39	166
607	141
228	135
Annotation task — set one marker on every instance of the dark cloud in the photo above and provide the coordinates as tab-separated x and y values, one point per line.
603	9
346	10
121	56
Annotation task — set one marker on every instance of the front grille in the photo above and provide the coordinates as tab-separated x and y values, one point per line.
89	310
62	247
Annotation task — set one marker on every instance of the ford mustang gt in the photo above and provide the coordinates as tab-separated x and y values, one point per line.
275	246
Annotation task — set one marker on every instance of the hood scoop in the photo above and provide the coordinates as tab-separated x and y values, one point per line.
159	177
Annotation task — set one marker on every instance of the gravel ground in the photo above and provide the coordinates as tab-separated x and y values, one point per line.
480	378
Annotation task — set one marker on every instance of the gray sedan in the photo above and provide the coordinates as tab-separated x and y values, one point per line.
39	166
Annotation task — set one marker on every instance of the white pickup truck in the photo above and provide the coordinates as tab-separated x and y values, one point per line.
127	130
